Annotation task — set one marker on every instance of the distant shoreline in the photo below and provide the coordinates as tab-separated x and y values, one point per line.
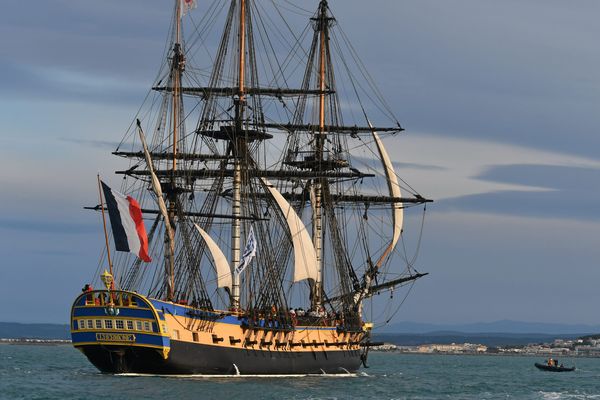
399	352
35	342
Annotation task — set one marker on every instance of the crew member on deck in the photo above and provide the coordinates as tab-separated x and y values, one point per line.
88	289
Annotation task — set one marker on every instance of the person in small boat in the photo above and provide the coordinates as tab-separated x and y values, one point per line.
556	363
550	362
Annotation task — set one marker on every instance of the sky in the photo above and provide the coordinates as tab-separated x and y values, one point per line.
499	100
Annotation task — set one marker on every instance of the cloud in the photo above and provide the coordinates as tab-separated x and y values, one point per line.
524	204
427	167
54	227
503	261
466	161
107	52
57	253
573	193
508	71
102	144
499	100
66	83
563	178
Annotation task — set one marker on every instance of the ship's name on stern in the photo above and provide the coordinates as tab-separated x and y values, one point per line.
115	337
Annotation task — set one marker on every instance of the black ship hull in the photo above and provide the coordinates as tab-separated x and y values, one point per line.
545	367
191	358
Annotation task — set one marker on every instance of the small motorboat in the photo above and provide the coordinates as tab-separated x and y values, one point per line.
554	368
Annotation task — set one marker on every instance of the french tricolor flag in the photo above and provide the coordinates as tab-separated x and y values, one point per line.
128	228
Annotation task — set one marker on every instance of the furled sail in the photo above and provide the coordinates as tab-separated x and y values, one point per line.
221	265
156	187
170	255
305	256
394	187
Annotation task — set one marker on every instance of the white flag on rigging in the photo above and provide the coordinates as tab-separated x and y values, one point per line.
249	252
188	5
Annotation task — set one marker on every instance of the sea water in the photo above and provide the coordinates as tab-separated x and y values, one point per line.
61	372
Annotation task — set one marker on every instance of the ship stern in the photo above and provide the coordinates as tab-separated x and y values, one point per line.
120	332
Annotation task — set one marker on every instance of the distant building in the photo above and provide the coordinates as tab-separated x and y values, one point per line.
452	348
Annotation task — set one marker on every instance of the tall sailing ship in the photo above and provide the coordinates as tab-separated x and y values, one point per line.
274	210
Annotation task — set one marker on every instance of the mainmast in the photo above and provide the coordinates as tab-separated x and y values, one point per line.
316	192
237	143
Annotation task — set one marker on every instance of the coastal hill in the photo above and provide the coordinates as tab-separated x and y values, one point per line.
497	333
487	339
14	330
503	326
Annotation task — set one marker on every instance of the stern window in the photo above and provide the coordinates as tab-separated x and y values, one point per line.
90	324
130	325
138	325
98	324
146	326
108	324
120	324
81	324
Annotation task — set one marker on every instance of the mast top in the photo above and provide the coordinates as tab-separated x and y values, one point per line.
323	7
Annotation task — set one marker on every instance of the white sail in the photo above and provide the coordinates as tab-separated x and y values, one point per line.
221	265
394	187
305	256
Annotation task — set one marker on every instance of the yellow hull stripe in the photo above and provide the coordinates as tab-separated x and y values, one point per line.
119	344
132	332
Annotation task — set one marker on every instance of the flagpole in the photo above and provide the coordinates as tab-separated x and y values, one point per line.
110	266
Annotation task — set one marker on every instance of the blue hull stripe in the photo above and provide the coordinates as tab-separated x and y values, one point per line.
123	312
140	338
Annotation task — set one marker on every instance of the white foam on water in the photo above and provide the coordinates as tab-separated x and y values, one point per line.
563	395
551	395
202	376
